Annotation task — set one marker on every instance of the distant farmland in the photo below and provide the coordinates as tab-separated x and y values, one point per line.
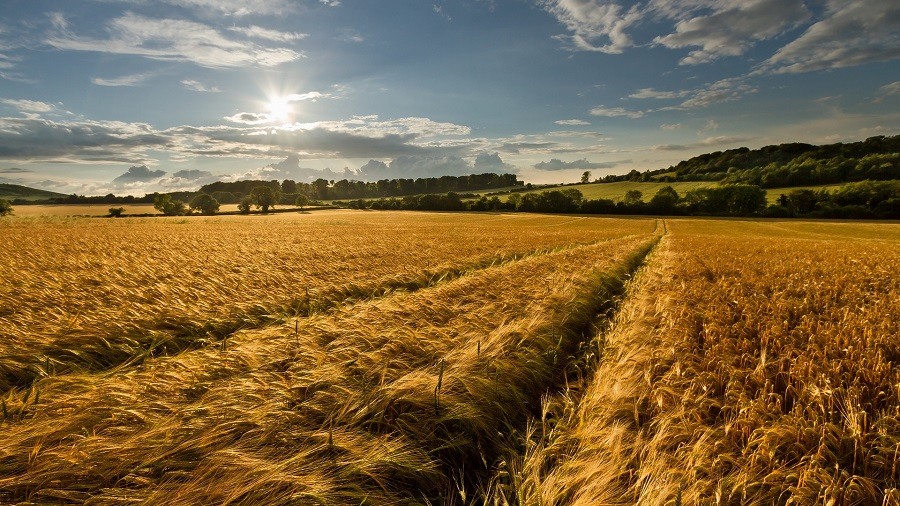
414	358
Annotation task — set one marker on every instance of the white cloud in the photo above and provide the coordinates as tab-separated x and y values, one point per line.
259	32
612	112
886	91
249	118
371	125
583	164
733	27
852	32
78	141
725	90
175	40
58	20
656	94
237	7
139	173
491	162
596	25
28	105
193	85
132	80
415	166
572	122
671	126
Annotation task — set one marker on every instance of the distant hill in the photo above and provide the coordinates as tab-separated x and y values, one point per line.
19	192
786	165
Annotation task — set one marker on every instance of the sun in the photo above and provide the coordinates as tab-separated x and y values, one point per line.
280	110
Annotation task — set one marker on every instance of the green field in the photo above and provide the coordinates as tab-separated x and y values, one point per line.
616	191
14	191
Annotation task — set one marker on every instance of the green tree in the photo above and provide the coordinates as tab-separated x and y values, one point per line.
116	212
205	204
5	207
586	176
169	206
302	201
665	200
244	205
633	197
264	197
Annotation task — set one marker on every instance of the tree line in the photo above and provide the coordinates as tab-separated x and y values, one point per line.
782	165
865	199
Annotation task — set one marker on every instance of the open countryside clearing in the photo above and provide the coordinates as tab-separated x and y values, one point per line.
353	357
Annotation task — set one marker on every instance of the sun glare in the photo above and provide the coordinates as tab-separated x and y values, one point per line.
280	110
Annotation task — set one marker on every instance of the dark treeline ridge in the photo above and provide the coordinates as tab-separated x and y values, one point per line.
865	199
783	165
320	189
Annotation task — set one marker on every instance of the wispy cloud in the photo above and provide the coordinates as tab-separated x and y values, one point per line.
852	32
733	27
28	105
656	94
613	112
259	32
886	91
131	80
595	25
174	40
193	85
572	122
583	164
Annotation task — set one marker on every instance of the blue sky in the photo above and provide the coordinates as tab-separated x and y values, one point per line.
132	96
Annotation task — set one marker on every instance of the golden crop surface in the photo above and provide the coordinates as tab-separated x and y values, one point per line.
94	293
753	363
412	358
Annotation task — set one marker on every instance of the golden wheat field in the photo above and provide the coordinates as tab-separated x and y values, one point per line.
399	358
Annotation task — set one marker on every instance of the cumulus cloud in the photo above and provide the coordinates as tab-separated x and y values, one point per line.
131	80
583	164
193	85
415	166
174	40
851	32
73	141
572	122
730	30
139	174
76	141
28	105
613	112
249	118
491	162
192	174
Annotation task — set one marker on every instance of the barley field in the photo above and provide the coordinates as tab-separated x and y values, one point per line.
355	357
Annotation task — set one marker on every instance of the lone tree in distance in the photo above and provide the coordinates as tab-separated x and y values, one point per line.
205	204
264	197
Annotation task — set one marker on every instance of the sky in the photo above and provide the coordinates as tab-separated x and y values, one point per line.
135	96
